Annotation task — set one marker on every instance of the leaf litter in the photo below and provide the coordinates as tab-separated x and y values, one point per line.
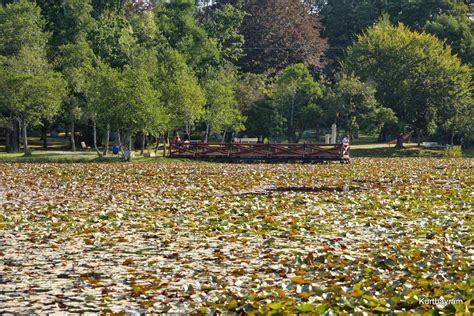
374	236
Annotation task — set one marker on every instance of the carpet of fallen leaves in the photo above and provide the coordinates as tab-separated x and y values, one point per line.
376	235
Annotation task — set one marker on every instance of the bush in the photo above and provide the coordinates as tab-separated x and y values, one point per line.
452	152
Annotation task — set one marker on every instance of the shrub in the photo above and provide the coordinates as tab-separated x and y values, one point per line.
452	152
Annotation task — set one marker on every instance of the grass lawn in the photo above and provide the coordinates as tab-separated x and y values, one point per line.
364	147
373	236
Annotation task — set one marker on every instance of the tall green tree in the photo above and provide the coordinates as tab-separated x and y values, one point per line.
21	24
31	90
295	93
75	62
414	73
458	31
181	94
223	24
353	106
221	112
112	39
177	22
343	20
67	20
37	91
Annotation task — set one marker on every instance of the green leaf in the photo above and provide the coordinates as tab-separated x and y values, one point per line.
305	308
321	309
275	306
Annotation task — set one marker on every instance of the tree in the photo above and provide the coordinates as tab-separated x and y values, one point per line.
31	90
221	111
75	62
223	25
105	97
458	33
181	94
177	22
414	73
21	25
353	106
279	33
38	91
126	100
146	31
263	118
68	20
295	94
343	20
112	39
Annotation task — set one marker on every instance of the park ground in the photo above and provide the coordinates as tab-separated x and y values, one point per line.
365	146
377	235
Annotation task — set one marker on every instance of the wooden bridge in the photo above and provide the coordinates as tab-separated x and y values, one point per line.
267	152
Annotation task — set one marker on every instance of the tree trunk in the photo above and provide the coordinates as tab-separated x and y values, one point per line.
119	139
94	131
208	129
382	135
107	139
72	139
188	128
13	137
223	136
26	149
157	145
142	147
44	134
399	141
291	129
8	137
130	147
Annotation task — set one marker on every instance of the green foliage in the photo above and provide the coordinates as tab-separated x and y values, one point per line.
126	100
344	20
353	106
145	30
414	73
177	23
295	94
21	25
112	39
457	31
452	152
263	117
221	111
76	61
68	20
181	94
31	91
223	25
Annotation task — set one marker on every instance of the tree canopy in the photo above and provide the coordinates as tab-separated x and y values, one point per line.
259	68
415	74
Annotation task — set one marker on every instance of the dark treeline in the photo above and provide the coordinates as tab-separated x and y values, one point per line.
266	68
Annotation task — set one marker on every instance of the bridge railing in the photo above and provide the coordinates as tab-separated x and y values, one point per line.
261	151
